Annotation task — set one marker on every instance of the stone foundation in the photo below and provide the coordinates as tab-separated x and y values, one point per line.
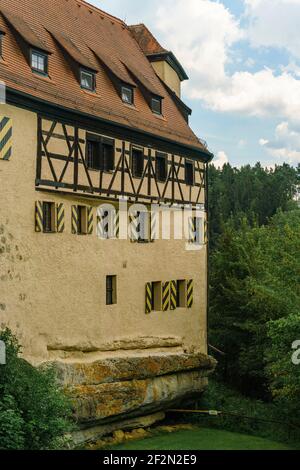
113	393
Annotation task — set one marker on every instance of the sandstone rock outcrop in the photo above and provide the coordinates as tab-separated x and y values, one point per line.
115	390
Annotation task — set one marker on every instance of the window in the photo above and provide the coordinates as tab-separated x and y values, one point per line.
82	220
93	155
157	296
156	105
127	94
181	294
87	80
111	290
161	167
48	217
39	62
100	153
108	151
189	173
137	162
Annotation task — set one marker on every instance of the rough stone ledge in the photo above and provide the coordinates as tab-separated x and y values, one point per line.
98	404
131	368
91	435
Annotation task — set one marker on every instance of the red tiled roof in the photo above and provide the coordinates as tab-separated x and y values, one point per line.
84	32
146	40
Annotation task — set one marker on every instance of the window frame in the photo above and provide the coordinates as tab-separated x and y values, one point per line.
42	54
111	290
160	155
186	164
181	293
52	228
128	88
82	228
101	141
158	100
92	74
140	150
157	296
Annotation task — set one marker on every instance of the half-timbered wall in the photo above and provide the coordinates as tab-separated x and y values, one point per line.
61	165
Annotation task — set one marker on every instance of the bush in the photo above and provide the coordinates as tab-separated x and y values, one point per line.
265	417
34	413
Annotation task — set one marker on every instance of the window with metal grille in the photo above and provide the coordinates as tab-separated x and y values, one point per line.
127	94
189	173
39	62
137	162
48	217
111	290
93	154
156	105
87	80
161	167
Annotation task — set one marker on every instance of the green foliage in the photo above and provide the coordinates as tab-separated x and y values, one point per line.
34	413
254	281
245	415
284	375
251	192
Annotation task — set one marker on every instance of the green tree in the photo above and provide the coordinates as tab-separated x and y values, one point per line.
34	413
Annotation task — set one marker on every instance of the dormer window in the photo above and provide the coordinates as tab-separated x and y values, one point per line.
87	80
39	62
156	105
127	94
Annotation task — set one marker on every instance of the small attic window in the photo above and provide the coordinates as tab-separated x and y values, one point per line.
127	94
39	62
156	105
87	80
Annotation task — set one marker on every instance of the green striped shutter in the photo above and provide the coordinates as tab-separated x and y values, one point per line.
149	298
60	218
39	216
190	293
5	138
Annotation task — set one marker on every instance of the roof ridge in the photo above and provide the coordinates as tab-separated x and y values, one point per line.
101	12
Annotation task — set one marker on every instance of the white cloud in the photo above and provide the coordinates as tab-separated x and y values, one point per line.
221	159
202	33
274	23
286	143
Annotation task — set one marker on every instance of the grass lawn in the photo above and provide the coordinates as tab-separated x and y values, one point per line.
203	439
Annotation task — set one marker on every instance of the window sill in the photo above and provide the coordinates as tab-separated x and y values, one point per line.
130	106
45	78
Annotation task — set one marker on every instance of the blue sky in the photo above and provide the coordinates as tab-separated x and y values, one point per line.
243	60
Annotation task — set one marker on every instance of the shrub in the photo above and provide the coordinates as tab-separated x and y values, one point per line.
34	412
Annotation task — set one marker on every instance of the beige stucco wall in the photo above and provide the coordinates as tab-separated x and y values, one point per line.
52	286
168	75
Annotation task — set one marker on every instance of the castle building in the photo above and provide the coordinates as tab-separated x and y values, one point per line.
93	118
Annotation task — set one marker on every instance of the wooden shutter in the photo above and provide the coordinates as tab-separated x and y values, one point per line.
173	295
190	294
75	219
39	216
60	218
90	220
149	298
5	138
166	296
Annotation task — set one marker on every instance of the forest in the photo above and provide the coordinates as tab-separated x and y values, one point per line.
254	314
